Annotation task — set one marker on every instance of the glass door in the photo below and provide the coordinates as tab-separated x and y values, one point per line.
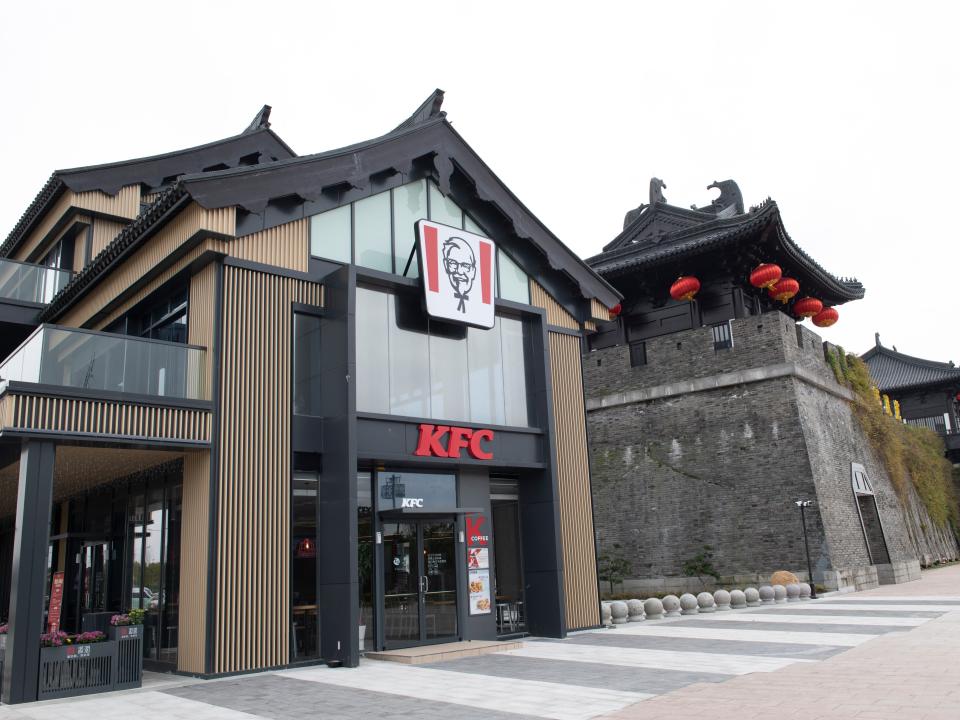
420	582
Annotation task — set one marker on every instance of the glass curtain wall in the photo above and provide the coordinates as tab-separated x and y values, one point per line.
365	552
410	366
303	567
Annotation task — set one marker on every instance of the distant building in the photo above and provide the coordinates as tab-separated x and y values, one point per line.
708	418
926	392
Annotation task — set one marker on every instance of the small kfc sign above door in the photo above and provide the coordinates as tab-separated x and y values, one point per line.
457	268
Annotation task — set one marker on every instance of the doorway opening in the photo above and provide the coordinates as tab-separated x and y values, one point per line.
508	561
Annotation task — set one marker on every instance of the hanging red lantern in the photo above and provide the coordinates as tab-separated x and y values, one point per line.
685	288
306	548
784	289
807	307
826	317
616	310
765	275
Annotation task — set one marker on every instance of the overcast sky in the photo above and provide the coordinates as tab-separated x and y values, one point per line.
846	115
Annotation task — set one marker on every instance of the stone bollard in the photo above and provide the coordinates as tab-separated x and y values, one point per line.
779	594
804	591
653	608
722	599
738	599
706	602
606	618
618	609
793	592
671	603
688	604
753	596
634	611
767	595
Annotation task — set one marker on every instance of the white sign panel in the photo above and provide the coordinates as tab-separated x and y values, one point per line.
479	592
457	268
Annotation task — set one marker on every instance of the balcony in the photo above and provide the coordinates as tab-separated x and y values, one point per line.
31	284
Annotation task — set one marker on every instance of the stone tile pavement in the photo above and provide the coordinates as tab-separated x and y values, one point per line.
887	653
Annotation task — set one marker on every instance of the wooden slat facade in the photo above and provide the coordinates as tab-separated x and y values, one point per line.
253	484
556	314
104	231
104	419
286	246
194	539
573	468
599	311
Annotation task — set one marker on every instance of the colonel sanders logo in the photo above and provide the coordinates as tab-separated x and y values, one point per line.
467	260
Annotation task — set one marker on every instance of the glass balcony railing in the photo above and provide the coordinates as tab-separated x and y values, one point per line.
31	283
88	360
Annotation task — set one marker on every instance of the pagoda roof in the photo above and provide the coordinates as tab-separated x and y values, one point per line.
659	235
288	189
256	144
893	370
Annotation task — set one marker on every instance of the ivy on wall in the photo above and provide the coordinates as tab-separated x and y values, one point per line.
909	453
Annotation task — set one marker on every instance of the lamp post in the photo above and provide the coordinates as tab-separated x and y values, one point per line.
803	504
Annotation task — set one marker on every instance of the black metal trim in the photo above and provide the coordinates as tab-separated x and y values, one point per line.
214	497
459	423
16	386
564	331
268	269
101	438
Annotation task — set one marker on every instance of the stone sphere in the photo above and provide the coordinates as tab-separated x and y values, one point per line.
793	592
671	603
706	602
618	609
653	608
738	599
722	599
804	591
780	593
753	596
783	577
634	610
605	614
767	594
688	604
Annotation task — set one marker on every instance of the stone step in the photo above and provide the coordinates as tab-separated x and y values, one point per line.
445	651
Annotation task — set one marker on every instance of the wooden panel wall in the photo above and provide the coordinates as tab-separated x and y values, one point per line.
104	231
573	467
556	314
285	246
599	311
104	418
253	512
194	540
201	310
185	225
36	237
80	244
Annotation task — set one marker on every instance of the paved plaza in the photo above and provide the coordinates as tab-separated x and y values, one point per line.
886	653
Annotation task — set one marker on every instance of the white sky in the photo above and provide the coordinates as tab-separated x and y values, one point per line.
845	113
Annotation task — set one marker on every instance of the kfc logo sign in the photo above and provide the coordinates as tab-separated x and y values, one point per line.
475	536
447	441
457	274
411	503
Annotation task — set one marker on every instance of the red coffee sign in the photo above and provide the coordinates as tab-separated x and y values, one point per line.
475	534
56	602
447	441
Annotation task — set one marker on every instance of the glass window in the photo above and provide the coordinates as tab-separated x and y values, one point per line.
469	224
371	230
409	368
303	566
409	205
443	209
438	491
449	383
513	282
486	376
306	364
373	376
330	234
514	343
365	552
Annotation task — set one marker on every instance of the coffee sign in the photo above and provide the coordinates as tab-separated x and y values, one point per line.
457	268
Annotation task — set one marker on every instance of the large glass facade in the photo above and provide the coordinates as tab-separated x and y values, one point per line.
378	232
303	567
408	365
365	554
306	364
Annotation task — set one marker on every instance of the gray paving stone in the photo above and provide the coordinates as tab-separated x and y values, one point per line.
843	612
791	627
729	647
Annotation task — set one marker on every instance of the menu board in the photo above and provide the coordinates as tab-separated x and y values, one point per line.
479	592
478	558
56	602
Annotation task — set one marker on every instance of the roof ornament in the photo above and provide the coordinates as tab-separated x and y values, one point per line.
260	122
730	197
428	110
876	338
657	186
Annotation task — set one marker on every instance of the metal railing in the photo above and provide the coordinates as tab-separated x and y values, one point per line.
89	360
31	283
937	423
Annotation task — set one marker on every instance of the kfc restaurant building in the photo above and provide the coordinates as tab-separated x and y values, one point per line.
365	420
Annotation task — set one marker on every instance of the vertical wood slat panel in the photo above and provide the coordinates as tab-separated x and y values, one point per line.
599	311
573	468
253	519
192	619
285	246
104	231
556	314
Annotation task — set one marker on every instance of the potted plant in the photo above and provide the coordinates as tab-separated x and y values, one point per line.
127	625
3	637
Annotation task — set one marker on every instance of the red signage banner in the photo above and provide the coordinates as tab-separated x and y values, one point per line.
431	441
56	602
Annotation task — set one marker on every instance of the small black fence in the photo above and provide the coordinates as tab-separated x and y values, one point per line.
70	670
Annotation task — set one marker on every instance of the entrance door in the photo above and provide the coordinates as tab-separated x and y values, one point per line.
419	581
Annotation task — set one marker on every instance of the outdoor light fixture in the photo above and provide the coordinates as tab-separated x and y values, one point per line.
803	504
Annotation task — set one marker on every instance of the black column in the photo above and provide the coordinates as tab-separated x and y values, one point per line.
337	581
32	536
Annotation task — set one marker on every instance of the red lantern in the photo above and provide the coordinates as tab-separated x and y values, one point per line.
807	307
616	310
306	549
765	275
826	317
784	289
685	288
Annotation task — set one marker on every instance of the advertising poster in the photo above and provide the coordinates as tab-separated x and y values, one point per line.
478	558
480	592
56	602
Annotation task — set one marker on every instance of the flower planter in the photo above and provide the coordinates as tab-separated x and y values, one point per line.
76	670
129	666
